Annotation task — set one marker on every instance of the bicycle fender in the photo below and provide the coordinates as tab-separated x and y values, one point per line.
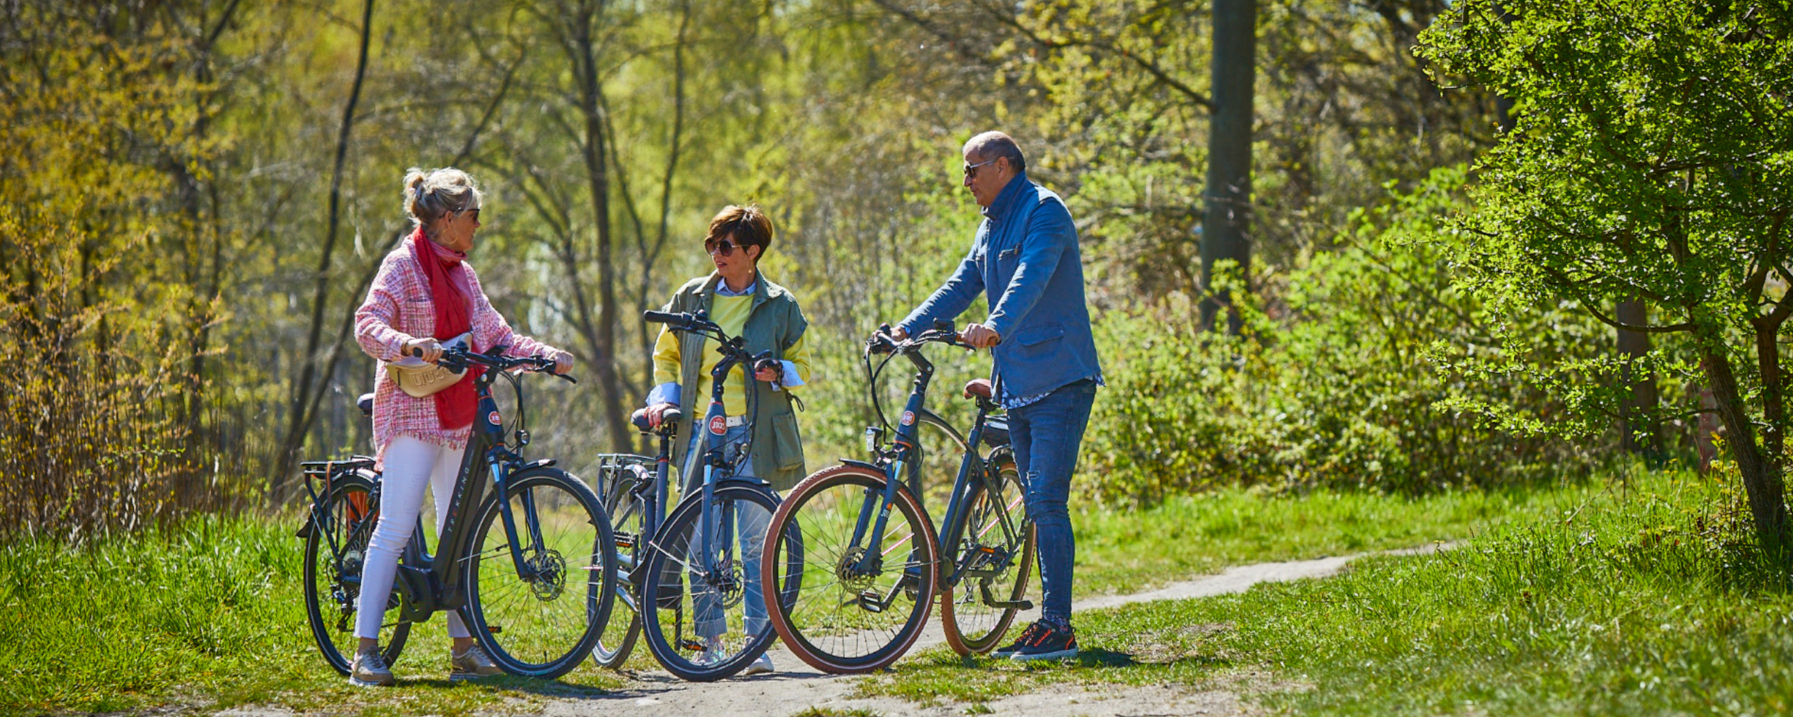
862	464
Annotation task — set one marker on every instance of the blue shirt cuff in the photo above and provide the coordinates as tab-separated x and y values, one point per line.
790	378
664	393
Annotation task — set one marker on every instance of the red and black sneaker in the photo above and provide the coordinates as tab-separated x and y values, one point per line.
1027	636
1051	642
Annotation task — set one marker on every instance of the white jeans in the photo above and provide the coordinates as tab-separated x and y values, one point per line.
411	465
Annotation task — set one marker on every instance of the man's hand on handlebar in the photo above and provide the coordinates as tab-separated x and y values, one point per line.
980	336
425	348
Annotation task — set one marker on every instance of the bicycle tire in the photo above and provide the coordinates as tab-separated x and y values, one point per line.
617	489
824	583
560	643
351	515
664	588
976	631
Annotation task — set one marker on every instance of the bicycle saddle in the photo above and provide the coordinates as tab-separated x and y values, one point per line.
669	420
366	404
979	387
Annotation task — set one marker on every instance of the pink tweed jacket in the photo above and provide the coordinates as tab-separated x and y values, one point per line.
397	310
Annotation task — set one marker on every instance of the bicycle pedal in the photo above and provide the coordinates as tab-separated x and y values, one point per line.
1016	604
495	629
691	645
870	601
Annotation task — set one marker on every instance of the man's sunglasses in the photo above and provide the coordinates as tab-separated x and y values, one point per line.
971	169
724	247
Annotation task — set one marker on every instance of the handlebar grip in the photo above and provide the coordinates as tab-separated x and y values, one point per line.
663	317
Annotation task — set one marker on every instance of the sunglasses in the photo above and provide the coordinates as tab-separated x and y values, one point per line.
474	212
971	169
724	247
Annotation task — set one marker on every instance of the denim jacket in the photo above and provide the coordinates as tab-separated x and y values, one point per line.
1026	261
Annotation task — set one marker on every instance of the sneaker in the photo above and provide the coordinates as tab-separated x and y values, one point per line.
471	664
1050	643
1030	634
713	653
761	665
368	669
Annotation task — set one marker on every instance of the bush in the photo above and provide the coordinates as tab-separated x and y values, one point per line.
1337	381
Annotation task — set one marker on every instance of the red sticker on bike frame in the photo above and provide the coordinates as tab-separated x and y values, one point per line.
718	425
908	418
495	419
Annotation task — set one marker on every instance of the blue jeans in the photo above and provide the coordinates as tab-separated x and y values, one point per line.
751	520
1047	436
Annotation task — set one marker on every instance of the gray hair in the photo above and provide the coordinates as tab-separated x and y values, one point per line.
431	195
991	145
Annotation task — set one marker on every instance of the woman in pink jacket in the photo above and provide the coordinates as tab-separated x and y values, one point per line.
425	293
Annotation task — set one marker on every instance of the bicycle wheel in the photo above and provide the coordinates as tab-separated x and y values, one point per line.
704	612
618	488
845	621
540	618
334	551
995	551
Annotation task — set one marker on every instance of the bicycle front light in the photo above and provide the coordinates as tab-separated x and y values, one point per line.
872	433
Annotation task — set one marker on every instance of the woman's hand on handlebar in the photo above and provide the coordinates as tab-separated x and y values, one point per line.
563	362
656	412
425	348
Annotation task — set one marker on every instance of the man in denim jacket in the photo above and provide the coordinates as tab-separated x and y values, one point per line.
1025	260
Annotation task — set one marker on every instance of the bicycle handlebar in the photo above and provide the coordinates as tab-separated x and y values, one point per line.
459	358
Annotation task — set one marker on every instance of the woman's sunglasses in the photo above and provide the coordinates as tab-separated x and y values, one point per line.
724	247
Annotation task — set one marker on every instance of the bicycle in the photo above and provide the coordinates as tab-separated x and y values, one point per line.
696	561
859	614
512	559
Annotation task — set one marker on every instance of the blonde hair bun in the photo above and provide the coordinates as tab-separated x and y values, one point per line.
433	194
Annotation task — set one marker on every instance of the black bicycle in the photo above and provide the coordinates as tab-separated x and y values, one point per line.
691	577
874	561
529	564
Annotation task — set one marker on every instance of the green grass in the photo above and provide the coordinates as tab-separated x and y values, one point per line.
1638	601
211	614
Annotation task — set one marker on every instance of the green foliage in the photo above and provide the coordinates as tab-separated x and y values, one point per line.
93	418
1652	159
1337	383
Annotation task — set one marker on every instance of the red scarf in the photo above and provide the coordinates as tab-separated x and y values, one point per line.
450	295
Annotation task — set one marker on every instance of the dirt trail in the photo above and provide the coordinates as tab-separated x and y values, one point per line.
797	687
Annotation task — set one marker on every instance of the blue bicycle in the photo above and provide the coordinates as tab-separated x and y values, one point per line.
691	578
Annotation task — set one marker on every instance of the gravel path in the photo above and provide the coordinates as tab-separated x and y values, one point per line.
797	687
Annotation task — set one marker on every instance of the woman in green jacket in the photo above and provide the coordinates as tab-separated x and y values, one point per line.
741	301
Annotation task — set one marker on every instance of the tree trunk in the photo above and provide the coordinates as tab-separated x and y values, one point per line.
302	399
1226	220
1639	431
1761	473
604	360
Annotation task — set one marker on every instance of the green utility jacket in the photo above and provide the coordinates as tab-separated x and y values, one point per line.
774	323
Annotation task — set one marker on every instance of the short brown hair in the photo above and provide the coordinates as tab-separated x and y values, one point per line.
748	225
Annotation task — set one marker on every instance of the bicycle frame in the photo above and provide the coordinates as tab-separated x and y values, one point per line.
902	452
433	583
709	433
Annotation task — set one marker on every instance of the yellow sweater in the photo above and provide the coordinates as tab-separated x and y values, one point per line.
730	313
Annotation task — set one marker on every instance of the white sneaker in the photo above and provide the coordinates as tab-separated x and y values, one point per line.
368	669
712	653
761	666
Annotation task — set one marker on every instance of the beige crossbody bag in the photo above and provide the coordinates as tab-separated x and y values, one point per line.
419	378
